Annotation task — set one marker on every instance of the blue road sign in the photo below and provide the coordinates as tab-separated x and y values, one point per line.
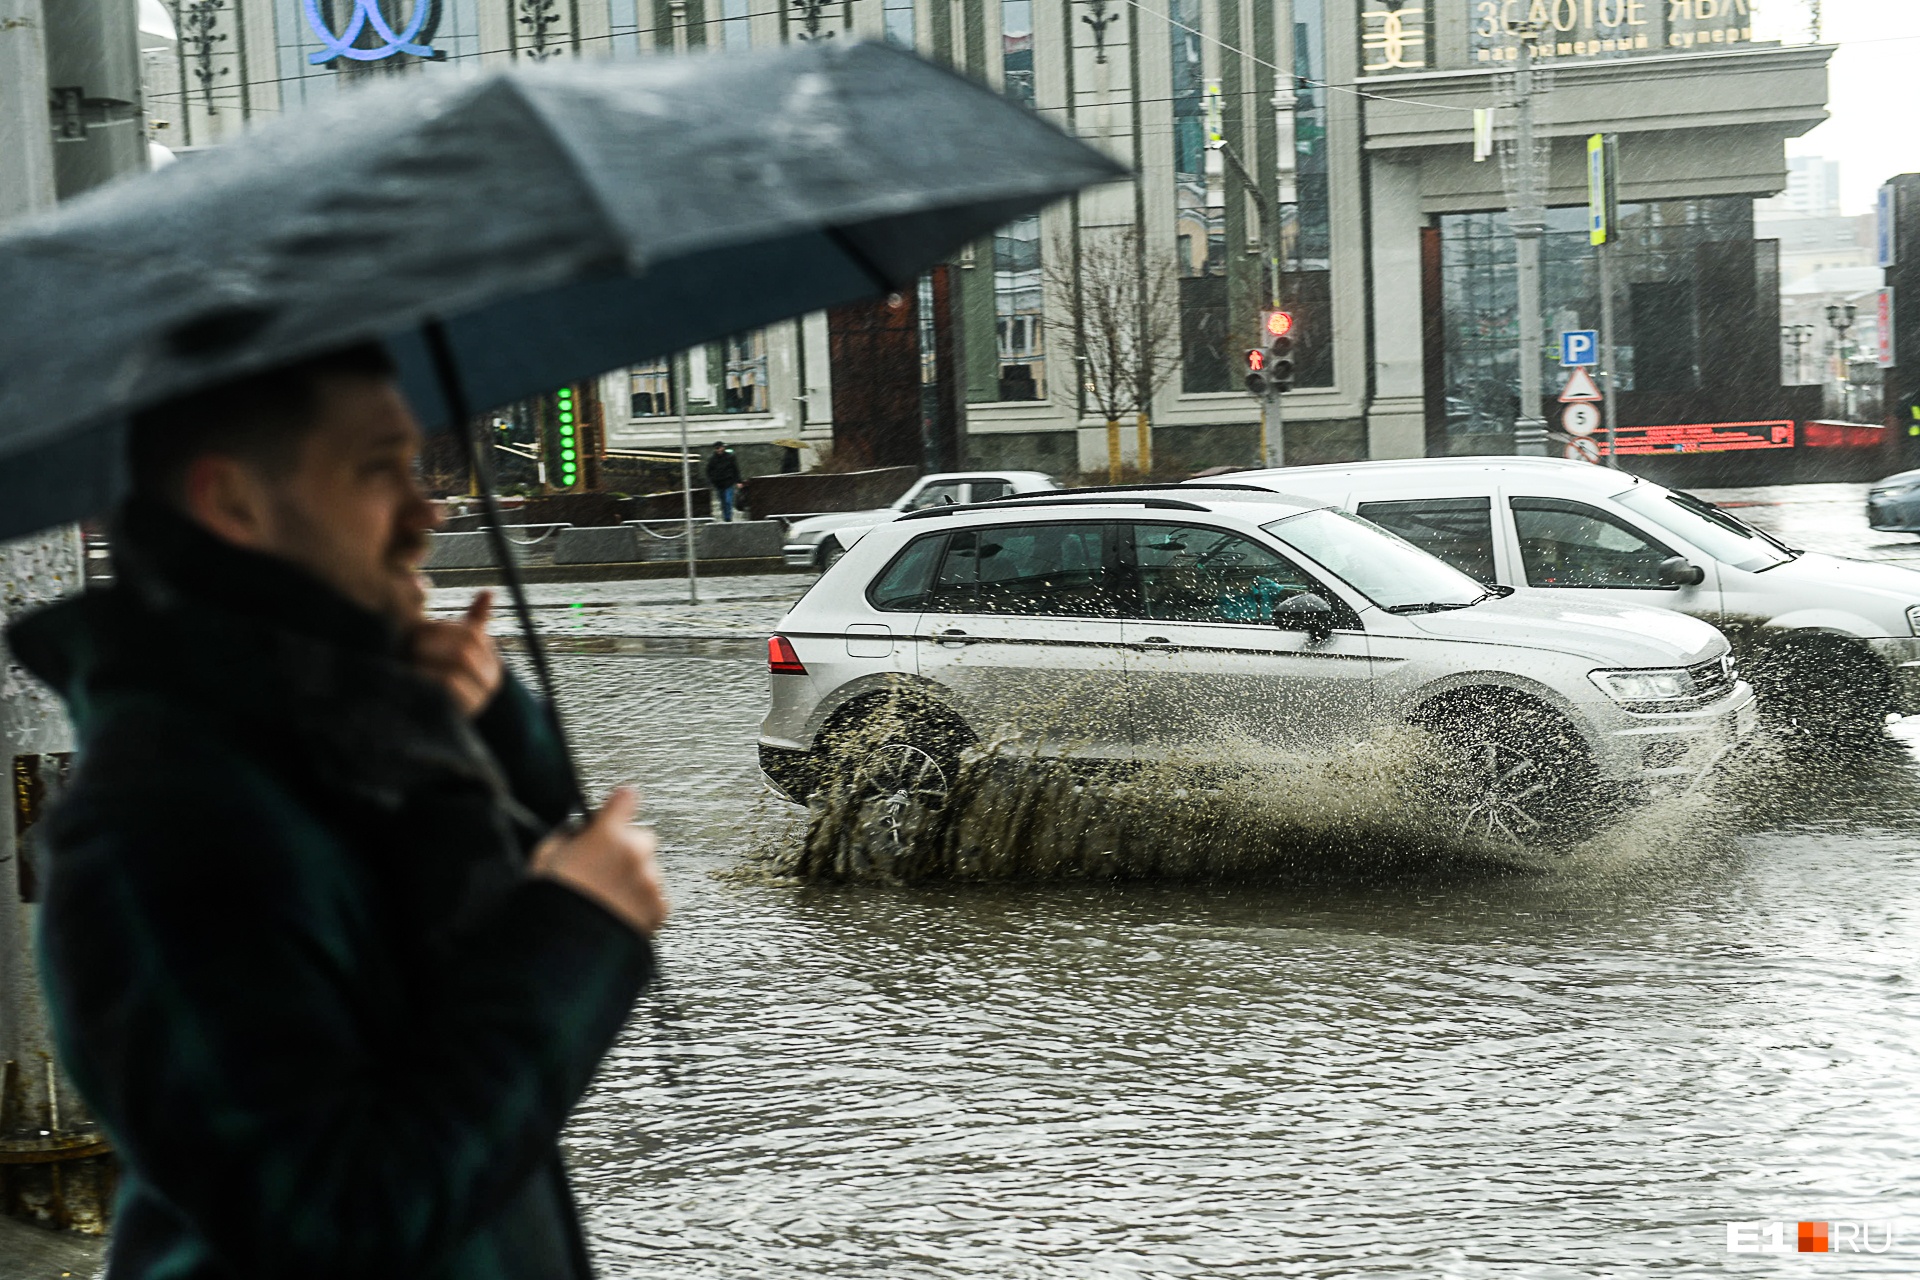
1579	346
1886	251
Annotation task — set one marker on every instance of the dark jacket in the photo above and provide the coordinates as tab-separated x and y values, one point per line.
723	470
295	963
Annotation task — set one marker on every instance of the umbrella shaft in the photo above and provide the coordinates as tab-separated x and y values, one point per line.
460	418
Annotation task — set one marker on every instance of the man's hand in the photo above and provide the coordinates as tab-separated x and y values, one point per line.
461	655
610	862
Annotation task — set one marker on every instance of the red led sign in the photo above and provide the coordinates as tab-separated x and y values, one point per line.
1702	437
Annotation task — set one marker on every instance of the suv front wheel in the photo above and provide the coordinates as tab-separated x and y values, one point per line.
1508	771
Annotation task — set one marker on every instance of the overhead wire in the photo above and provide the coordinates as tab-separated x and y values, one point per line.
1299	81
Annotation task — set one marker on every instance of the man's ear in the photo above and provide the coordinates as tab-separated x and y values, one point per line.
227	498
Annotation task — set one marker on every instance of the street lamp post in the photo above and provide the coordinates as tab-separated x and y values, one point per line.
1797	336
1840	317
1529	220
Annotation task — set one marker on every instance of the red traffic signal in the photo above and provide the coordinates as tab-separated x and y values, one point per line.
1276	324
1256	360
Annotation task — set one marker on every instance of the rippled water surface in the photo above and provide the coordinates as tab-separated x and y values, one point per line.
1441	1071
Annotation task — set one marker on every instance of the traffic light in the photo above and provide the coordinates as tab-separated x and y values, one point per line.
1270	367
566	417
1257	371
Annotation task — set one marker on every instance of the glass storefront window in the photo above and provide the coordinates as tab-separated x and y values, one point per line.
1199	210
736	24
1019	322
1666	263
725	377
897	16
1016	49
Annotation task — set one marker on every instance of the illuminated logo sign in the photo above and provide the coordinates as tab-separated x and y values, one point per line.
1394	36
367	16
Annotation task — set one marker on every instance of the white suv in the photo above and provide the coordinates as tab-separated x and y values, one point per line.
1829	642
817	541
1181	623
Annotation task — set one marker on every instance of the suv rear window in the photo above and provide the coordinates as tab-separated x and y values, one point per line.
903	585
1457	530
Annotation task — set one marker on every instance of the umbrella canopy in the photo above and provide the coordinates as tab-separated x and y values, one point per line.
546	223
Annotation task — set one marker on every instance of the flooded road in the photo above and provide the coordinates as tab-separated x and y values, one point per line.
1438	1073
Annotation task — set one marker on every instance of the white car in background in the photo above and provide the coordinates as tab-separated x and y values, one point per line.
1831	644
1183	624
817	541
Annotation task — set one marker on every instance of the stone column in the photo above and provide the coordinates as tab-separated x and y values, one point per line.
1397	413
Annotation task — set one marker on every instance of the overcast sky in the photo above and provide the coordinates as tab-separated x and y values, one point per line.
1875	129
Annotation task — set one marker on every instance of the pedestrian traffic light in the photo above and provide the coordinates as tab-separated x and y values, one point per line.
1270	367
1257	371
566	438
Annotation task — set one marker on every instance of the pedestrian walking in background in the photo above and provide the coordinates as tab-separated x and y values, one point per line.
320	955
723	474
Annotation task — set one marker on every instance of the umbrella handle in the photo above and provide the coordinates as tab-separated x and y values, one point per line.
461	420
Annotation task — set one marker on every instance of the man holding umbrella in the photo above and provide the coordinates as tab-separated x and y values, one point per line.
331	946
323	958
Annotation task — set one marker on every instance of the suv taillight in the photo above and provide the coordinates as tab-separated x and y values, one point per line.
781	659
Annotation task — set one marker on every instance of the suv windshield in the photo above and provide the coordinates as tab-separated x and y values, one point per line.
1720	535
1383	567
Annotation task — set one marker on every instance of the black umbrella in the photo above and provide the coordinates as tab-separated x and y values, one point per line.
505	233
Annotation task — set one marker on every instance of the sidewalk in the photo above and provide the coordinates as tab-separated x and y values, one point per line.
599	616
35	1253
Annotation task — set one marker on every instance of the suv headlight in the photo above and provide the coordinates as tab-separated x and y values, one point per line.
1913	618
1650	688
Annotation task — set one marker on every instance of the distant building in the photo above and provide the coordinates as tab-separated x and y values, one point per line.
1809	245
1813	191
1354	121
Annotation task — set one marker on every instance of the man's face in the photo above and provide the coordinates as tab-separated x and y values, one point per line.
350	511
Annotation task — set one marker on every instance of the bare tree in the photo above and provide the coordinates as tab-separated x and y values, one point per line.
1119	313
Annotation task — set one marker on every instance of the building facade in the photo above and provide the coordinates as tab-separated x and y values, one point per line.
1334	137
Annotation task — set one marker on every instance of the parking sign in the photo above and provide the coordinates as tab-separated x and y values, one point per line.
1579	346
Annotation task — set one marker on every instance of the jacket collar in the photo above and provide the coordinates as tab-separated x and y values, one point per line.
168	562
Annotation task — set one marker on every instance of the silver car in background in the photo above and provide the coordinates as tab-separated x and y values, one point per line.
816	542
1831	644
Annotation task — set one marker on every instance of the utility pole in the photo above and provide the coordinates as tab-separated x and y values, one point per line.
76	80
1273	444
677	374
1529	220
1603	219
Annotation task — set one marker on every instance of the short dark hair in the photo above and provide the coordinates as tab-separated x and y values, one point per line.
260	418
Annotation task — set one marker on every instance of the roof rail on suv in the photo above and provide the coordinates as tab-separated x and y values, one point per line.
1067	499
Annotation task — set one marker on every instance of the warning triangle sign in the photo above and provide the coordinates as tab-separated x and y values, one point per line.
1580	388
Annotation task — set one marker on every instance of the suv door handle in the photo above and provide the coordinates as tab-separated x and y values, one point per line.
954	639
1157	644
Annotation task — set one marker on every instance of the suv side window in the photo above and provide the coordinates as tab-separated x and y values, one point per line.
1456	530
903	586
988	490
1059	569
935	495
1570	544
1190	574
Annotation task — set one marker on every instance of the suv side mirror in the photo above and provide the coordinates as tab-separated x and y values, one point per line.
1305	612
1678	571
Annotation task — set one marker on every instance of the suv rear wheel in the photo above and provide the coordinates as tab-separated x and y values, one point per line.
1822	688
1508	770
894	765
